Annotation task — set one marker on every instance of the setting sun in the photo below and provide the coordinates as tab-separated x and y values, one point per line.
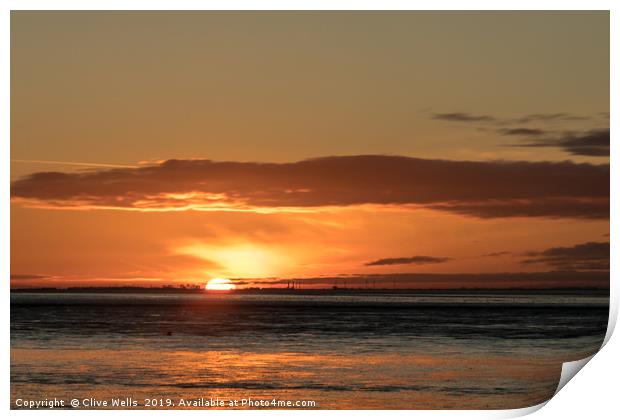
219	284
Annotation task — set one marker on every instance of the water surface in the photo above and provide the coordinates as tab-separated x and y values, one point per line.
342	351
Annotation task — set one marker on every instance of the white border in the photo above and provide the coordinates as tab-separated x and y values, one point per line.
593	395
308	5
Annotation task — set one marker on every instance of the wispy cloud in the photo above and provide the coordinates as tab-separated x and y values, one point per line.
463	117
29	277
594	142
549	117
542	118
586	256
589	143
418	259
522	131
64	163
496	254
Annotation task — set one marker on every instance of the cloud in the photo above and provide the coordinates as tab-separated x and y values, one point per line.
64	163
522	131
478	189
29	277
549	117
586	256
594	142
525	119
496	254
463	117
418	259
552	207
589	143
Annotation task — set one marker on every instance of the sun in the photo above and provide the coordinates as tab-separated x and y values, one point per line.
220	285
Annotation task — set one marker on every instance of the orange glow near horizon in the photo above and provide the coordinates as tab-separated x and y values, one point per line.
239	260
277	156
188	246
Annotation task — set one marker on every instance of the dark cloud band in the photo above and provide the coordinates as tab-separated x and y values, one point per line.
479	189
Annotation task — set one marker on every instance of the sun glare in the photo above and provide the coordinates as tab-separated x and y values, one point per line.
239	260
220	285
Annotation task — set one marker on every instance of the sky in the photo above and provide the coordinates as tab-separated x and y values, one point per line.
416	149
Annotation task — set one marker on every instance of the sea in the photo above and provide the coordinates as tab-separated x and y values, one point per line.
333	350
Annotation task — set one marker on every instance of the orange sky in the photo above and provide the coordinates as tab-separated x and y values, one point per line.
307	145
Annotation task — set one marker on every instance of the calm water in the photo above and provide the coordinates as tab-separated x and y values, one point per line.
382	351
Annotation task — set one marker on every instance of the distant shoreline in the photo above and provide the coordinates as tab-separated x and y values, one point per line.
319	292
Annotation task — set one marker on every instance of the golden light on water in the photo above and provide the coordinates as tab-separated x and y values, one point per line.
220	285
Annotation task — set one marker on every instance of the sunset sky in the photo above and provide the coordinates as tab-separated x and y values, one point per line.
154	148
